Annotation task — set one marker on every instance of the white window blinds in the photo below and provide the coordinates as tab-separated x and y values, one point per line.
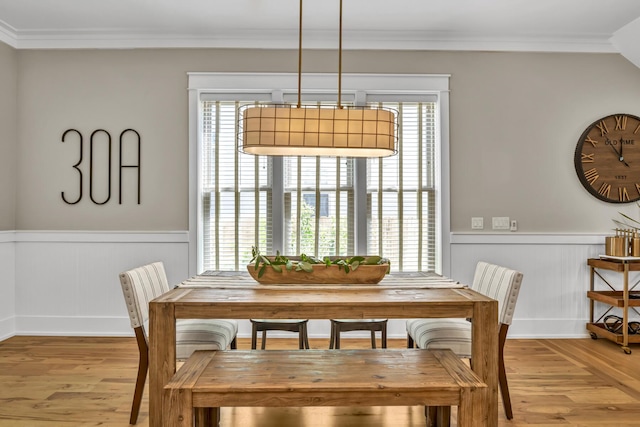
318	214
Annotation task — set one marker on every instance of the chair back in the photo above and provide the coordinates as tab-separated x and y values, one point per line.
140	286
501	284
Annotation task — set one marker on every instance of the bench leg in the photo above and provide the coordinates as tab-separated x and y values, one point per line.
472	406
177	408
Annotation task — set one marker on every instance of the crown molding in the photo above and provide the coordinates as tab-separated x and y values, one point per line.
626	41
8	34
361	40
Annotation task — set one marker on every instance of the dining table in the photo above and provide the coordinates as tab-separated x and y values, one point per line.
235	295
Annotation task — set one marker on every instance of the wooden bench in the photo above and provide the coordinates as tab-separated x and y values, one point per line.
289	378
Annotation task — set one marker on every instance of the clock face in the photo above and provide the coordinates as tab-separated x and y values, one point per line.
607	158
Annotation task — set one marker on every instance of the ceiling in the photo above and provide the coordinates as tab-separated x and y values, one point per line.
503	25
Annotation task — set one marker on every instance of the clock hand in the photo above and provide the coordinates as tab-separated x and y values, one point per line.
621	156
615	150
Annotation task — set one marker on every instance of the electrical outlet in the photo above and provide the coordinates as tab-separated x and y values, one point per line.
477	223
514	225
500	223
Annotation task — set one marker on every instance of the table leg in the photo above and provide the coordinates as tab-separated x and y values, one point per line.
162	356
484	355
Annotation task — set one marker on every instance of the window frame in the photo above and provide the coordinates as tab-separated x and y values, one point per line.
356	88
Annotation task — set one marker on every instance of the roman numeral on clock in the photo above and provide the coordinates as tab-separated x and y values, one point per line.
621	122
603	128
605	189
623	195
591	175
587	158
592	141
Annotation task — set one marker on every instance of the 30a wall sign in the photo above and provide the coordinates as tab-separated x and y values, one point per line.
100	136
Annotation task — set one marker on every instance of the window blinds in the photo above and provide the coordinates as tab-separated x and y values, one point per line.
318	192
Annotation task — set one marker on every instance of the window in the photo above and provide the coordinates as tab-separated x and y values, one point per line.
318	205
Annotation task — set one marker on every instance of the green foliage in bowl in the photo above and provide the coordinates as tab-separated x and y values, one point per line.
305	262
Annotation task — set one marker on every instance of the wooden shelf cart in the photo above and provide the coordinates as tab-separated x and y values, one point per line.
615	298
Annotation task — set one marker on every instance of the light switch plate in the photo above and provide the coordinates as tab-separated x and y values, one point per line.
477	223
501	223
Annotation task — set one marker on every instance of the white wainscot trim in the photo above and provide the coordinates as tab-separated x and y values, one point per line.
66	282
7	284
552	301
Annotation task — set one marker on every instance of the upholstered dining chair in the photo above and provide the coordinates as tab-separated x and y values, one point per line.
145	283
499	283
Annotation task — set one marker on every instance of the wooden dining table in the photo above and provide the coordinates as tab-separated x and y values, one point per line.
236	295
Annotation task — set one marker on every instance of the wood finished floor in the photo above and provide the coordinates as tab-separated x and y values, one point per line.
72	381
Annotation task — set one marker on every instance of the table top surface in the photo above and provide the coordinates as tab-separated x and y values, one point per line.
396	296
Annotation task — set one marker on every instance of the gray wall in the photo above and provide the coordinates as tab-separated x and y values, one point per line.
8	135
515	121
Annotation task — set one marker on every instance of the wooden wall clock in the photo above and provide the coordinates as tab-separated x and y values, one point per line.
607	158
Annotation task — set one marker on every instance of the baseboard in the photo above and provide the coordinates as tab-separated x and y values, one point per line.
73	326
7	328
120	326
548	328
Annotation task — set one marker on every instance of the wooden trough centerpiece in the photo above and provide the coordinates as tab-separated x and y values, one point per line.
280	269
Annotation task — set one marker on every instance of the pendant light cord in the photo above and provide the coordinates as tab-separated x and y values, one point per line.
340	60
300	57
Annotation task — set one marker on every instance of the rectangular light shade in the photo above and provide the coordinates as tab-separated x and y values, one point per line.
284	130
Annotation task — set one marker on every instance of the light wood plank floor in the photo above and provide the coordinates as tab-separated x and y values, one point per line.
72	381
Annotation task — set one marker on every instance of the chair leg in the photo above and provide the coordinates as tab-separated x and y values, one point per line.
263	344
502	373
410	343
437	416
384	336
332	336
301	337
234	344
207	417
305	335
254	336
143	367
373	339
430	413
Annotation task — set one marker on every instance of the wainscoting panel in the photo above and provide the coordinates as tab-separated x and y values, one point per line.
57	283
552	301
7	284
67	283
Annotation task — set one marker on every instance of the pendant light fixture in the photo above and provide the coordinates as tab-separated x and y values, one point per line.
317	130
